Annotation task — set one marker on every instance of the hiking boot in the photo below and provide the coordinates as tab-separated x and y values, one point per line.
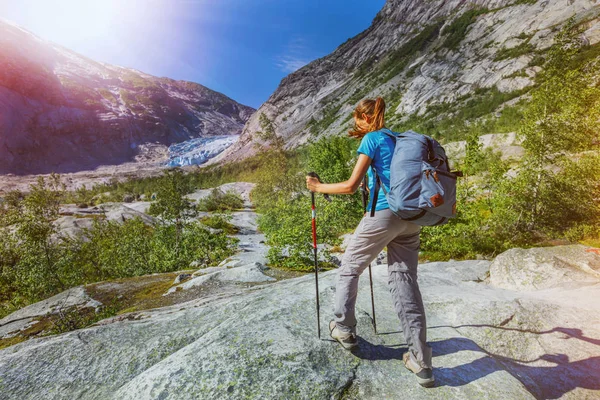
424	375
347	340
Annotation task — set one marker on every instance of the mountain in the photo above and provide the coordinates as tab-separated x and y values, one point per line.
62	112
425	58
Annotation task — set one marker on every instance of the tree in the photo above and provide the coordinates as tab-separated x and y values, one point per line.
171	205
560	122
43	252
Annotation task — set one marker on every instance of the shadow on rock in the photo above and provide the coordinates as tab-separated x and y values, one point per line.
370	351
571	333
542	381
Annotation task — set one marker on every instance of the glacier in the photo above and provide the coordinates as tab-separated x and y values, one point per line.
199	150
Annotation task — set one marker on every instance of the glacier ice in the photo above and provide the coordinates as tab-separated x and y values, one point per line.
199	150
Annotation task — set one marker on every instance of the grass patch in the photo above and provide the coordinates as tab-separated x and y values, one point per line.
451	120
514	52
330	114
591	242
137	293
220	221
517	74
79	318
4	343
399	59
459	28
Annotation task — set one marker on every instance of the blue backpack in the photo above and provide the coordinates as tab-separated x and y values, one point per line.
422	187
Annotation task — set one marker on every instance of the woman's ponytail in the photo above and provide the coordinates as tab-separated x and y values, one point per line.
378	115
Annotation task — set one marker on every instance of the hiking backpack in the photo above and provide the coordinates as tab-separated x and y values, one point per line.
422	187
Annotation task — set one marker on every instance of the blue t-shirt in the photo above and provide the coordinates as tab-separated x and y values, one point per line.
379	147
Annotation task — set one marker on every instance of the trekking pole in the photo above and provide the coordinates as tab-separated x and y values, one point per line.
363	190
314	236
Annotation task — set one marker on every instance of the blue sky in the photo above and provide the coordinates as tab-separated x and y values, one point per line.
241	48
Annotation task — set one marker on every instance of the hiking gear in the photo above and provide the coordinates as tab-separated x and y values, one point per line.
348	340
314	175
424	375
422	187
365	195
379	147
402	241
314	237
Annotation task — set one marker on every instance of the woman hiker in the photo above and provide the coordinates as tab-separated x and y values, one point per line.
371	236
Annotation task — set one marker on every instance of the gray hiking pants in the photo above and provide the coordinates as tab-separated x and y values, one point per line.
402	241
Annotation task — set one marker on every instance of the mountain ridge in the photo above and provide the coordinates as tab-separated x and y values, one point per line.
416	55
64	112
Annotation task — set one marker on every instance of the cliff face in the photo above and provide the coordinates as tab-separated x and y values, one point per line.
416	54
60	111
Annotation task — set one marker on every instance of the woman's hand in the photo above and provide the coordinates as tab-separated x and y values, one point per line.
346	187
364	187
312	184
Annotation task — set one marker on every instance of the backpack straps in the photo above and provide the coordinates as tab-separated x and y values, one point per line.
378	185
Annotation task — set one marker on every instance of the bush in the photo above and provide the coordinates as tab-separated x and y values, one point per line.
284	203
459	28
220	221
553	192
219	201
36	261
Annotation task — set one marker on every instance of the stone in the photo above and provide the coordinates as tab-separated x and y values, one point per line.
181	277
336	259
250	273
488	343
543	268
198	264
242	188
120	213
20	320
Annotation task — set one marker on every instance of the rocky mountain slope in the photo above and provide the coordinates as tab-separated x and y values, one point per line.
418	55
260	341
60	111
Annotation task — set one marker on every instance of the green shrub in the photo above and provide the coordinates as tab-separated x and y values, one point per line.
514	52
284	203
268	129
399	59
220	201
220	221
553	191
459	28
37	261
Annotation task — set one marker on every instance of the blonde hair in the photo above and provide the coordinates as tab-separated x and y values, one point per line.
375	110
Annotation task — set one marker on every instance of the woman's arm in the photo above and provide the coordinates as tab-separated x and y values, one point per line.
346	187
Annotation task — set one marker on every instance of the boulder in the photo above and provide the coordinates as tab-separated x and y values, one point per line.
21	319
180	278
73	226
242	188
543	268
250	273
120	213
261	342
